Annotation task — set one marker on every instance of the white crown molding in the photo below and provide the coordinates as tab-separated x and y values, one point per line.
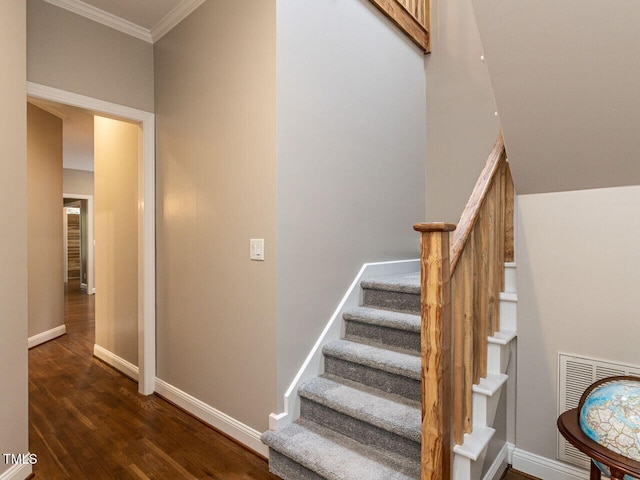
92	13
174	17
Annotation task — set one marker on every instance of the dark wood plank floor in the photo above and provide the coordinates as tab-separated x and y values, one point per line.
512	474
87	421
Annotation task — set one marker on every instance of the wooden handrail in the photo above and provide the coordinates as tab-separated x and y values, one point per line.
413	17
471	210
460	308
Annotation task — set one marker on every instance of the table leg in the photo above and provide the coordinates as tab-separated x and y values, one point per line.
595	472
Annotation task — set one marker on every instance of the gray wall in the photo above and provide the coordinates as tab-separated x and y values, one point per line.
45	232
577	293
216	187
13	217
72	53
77	181
351	159
461	125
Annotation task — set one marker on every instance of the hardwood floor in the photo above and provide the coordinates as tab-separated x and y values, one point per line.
511	474
87	421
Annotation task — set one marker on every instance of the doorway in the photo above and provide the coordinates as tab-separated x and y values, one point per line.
85	266
145	372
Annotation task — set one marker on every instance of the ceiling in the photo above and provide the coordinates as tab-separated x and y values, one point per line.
566	81
148	20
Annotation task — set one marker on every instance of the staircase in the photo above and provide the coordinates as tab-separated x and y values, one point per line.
361	419
409	385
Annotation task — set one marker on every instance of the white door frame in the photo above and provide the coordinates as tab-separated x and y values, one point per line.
146	220
91	289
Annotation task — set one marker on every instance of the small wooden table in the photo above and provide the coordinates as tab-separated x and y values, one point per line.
569	426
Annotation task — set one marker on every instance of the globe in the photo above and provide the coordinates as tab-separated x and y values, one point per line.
610	416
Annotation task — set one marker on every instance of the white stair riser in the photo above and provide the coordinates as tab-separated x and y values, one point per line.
498	357
485	407
466	469
510	277
508	315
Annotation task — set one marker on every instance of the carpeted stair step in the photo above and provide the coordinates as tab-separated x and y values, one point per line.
386	370
395	292
383	327
383	420
307	451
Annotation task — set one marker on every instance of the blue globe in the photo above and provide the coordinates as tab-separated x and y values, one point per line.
610	416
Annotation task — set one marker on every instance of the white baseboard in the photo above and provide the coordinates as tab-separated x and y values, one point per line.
546	468
40	338
221	421
17	472
499	465
129	369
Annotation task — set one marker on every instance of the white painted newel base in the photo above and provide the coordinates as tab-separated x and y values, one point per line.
43	337
16	472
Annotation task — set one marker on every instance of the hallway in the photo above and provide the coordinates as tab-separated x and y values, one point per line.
86	420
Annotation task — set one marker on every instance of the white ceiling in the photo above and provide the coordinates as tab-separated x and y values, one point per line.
148	20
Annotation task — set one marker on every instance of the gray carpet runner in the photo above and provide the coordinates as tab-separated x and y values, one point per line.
361	418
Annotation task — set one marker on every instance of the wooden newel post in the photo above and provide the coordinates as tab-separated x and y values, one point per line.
436	338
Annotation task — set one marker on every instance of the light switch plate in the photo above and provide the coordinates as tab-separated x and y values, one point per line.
256	249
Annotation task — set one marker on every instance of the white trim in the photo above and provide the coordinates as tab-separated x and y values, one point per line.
105	18
166	24
499	465
90	240
50	334
217	419
546	468
313	364
173	18
119	363
17	472
146	207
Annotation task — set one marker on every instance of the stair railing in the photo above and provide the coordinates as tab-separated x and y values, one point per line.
462	276
413	17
